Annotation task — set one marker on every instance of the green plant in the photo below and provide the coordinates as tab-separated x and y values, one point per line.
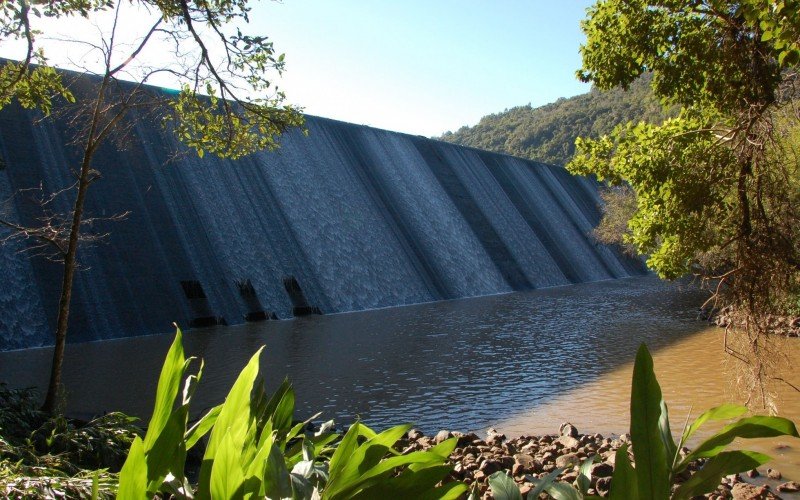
256	450
658	461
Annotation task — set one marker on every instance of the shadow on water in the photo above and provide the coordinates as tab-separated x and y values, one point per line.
462	364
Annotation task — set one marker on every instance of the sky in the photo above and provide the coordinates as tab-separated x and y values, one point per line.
416	66
425	66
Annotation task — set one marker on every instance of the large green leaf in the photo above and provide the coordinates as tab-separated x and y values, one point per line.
280	408
563	491
202	426
708	478
584	480
235	418
227	477
277	483
362	461
133	476
670	448
652	473
722	412
504	487
346	448
449	491
168	453
168	386
408	484
623	482
354	479
540	485
750	427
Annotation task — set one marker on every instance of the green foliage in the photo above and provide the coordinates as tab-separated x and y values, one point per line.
715	186
43	456
255	450
548	133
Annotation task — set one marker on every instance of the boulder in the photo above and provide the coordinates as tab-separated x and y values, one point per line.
568	429
567	460
602	470
774	474
442	436
569	442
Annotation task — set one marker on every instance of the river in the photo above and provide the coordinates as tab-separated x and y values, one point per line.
521	362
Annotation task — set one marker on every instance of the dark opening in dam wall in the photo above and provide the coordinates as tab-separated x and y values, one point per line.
347	218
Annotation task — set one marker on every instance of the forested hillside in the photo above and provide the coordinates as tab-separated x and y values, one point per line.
548	133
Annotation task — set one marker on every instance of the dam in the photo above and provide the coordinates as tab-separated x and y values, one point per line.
347	218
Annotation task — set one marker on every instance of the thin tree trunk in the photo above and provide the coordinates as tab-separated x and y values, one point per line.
70	259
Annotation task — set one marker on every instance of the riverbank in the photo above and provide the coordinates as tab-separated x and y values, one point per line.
530	457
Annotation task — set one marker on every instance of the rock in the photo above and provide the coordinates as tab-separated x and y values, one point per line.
524	459
753	473
774	474
442	436
602	470
466	439
789	487
518	470
489	467
603	486
567	460
414	434
747	491
479	475
568	429
569	477
569	442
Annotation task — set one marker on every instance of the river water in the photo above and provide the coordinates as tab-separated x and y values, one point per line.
522	362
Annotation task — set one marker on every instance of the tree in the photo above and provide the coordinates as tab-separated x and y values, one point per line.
226	105
716	186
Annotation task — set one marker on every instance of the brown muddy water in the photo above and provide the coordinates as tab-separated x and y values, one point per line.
522	363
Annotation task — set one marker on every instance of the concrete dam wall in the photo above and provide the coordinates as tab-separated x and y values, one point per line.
348	218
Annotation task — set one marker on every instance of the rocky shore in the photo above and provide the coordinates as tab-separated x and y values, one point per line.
527	457
788	326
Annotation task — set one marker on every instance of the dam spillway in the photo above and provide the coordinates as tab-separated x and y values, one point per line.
347	218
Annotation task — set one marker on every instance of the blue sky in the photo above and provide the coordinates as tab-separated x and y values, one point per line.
424	67
414	66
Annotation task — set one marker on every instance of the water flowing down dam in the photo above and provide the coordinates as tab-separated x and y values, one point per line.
347	218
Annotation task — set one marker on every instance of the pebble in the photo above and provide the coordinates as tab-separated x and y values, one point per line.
789	487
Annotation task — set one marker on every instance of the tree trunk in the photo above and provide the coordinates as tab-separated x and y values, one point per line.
70	260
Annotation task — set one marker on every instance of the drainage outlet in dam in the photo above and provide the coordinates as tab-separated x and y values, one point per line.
202	315
255	311
300	305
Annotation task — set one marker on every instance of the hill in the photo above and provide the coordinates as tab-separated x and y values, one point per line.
547	133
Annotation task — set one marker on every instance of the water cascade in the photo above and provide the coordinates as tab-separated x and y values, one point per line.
346	218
